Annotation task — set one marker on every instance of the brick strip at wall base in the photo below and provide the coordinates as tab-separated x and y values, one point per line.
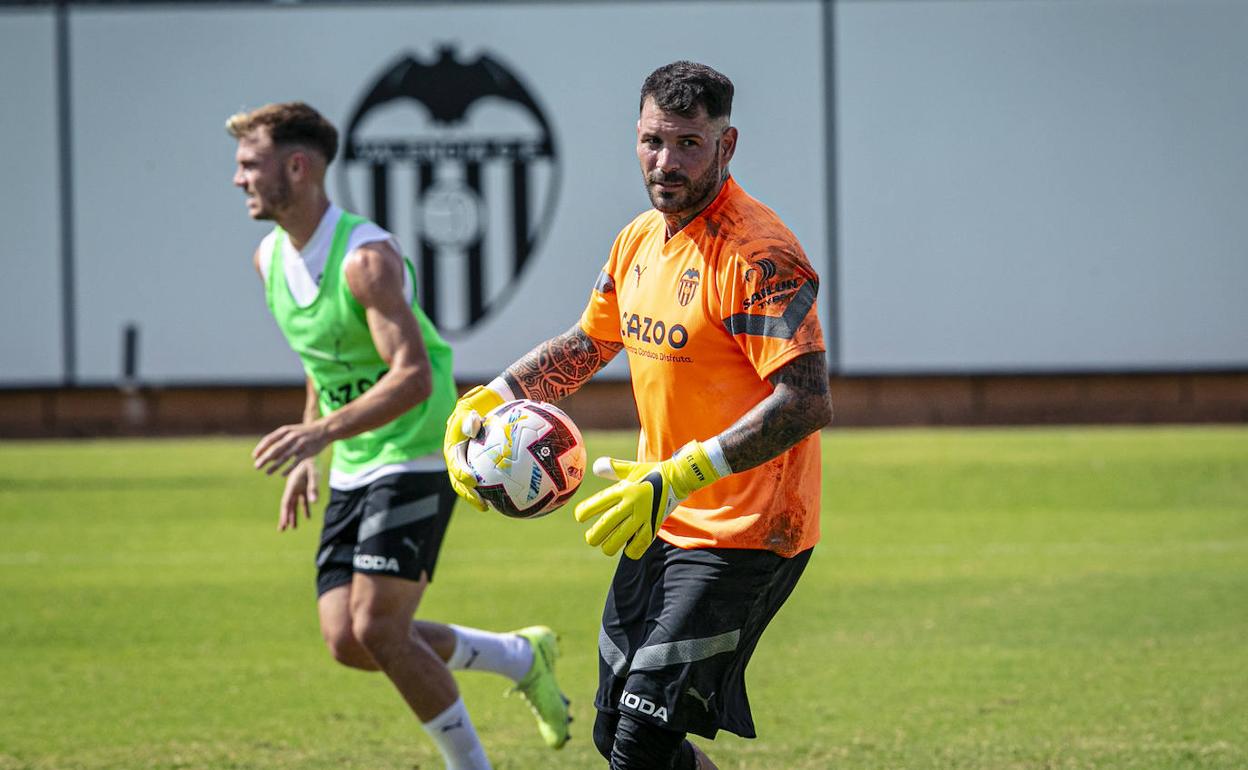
858	401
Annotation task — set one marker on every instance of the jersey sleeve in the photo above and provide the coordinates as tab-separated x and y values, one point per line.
768	291
601	318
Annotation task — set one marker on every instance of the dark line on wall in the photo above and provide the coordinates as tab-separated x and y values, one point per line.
69	341
833	281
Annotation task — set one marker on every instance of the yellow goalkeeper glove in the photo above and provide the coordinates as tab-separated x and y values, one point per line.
633	509
462	425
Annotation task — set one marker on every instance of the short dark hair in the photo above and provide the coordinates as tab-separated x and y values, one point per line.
684	86
288	123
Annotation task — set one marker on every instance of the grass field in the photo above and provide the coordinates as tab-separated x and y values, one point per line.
995	599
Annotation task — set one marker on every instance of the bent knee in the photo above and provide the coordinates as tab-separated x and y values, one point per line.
347	650
381	635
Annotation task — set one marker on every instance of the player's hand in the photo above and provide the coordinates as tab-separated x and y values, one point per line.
632	509
289	445
462	425
300	493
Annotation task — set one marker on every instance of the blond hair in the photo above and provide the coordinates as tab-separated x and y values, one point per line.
289	123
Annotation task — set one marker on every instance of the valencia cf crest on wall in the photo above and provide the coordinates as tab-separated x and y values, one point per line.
458	160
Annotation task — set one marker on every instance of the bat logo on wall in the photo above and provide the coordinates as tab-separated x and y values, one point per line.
459	161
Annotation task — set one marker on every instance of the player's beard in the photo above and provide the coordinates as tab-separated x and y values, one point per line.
274	199
690	199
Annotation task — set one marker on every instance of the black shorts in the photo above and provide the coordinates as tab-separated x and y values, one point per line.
678	629
393	526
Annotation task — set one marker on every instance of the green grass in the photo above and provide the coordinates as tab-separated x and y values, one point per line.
995	599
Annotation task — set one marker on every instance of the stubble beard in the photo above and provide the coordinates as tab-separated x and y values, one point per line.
273	202
695	196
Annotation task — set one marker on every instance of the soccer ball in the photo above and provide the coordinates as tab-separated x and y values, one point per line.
528	458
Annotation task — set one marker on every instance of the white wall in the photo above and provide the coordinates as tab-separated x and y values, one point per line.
163	237
1031	186
30	250
1022	186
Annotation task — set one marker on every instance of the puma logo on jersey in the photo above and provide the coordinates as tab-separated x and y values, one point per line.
692	692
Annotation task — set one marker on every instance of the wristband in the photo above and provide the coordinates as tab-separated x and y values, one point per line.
500	386
715	453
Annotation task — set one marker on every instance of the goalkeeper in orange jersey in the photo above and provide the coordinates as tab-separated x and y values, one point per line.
713	300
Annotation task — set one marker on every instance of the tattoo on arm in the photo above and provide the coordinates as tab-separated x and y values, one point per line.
559	366
799	406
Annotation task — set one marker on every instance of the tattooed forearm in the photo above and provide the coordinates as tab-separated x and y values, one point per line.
560	365
799	406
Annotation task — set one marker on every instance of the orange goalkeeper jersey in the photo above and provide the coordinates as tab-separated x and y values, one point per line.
705	318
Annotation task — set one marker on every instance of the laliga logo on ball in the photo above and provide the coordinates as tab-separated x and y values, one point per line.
528	458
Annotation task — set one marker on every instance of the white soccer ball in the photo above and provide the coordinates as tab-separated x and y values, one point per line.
528	458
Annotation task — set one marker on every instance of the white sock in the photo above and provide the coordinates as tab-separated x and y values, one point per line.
456	738
477	650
